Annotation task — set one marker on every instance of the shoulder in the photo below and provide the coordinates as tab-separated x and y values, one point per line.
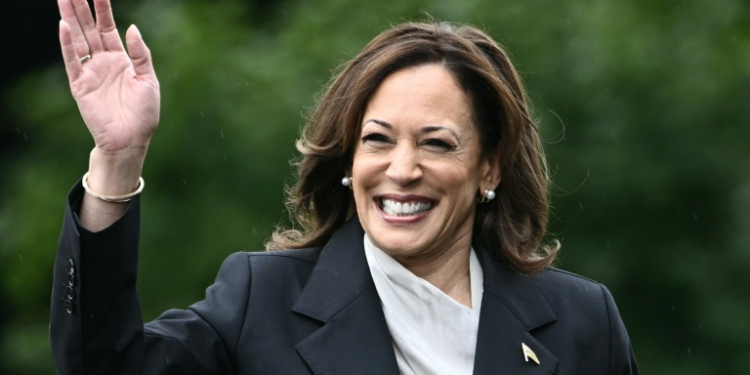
560	279
309	255
575	295
274	258
271	269
586	307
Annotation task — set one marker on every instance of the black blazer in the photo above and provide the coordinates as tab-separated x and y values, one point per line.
311	311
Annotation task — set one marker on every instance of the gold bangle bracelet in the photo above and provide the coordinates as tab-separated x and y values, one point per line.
112	198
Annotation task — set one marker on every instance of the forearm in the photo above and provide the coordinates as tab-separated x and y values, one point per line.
112	175
96	323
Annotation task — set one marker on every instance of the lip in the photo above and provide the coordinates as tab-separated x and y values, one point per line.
393	219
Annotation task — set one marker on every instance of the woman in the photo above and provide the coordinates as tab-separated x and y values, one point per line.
422	199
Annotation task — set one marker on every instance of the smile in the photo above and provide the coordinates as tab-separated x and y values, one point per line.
405	208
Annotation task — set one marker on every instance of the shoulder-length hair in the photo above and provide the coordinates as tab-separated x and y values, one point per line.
511	227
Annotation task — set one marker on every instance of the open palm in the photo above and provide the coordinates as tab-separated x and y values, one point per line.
117	93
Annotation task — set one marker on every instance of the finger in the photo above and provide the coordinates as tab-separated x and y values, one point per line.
68	14
72	63
86	20
139	52
105	23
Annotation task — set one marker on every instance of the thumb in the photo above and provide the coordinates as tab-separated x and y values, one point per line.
140	55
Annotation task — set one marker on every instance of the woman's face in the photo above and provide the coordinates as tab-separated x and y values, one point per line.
417	165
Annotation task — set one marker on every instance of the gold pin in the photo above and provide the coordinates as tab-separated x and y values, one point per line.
528	353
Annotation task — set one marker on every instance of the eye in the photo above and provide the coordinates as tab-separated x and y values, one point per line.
438	144
375	138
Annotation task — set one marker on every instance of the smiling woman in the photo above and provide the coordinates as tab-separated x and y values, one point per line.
478	69
422	195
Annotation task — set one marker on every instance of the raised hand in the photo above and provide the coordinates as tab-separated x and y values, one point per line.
118	96
117	93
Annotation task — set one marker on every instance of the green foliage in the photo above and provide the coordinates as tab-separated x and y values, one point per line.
643	104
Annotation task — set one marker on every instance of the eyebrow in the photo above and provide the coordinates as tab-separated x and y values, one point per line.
426	129
382	123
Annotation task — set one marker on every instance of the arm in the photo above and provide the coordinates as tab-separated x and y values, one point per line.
96	324
95	312
622	358
117	93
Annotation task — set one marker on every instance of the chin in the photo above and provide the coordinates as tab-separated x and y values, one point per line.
397	245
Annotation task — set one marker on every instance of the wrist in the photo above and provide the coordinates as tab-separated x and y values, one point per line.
116	173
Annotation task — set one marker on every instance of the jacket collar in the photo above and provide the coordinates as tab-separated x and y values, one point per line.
354	337
512	307
340	293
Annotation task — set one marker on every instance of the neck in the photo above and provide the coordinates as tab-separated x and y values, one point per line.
447	270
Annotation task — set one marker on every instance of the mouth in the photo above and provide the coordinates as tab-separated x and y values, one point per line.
405	206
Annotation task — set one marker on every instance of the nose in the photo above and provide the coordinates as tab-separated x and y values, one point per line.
404	167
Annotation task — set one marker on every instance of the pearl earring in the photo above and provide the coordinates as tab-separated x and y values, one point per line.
346	181
487	196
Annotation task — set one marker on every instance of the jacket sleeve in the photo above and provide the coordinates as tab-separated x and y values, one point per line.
96	324
622	359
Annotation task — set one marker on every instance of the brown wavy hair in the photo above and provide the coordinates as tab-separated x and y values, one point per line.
512	227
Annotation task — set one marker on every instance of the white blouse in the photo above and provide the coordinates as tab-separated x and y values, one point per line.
432	333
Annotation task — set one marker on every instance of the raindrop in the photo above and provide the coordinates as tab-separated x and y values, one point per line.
689	352
695	216
20	257
222	134
202	115
184	181
25	137
580	204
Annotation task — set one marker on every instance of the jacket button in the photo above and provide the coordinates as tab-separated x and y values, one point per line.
70	293
71	280
71	264
69	307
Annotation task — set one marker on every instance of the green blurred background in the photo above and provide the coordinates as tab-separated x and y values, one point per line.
644	106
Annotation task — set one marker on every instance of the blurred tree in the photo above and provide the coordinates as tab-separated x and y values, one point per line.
644	106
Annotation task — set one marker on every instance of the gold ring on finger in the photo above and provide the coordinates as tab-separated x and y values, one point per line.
85	58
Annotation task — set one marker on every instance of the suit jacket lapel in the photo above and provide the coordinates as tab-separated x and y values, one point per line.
354	337
340	294
512	306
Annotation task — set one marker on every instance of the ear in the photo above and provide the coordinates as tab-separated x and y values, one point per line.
491	175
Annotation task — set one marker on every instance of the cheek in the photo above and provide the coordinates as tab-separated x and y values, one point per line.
367	168
462	184
454	174
364	175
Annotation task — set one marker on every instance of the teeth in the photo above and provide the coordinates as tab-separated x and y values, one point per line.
405	208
